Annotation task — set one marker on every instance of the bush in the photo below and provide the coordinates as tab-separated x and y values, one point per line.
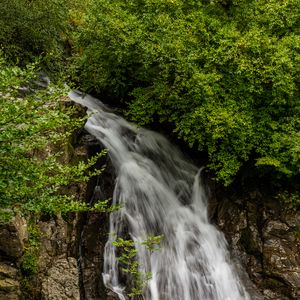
225	74
35	128
34	28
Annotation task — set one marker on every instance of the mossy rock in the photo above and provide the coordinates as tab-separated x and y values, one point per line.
9	285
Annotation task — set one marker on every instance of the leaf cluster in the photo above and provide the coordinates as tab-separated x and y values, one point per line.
32	28
128	260
36	130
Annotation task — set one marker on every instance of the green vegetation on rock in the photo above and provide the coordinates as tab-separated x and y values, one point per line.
35	126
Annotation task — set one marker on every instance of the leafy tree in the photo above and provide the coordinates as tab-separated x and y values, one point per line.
225	74
36	129
35	28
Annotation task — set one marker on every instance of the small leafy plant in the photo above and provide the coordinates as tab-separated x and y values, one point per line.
29	264
290	201
131	266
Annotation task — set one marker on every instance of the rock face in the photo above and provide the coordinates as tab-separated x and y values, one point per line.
61	281
13	234
267	242
9	284
58	276
93	236
71	252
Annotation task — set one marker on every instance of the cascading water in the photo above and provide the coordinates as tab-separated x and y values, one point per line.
160	193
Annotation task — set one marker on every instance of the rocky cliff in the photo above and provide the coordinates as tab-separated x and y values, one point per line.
264	237
61	257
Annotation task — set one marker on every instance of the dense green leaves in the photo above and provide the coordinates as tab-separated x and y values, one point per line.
34	28
36	128
224	73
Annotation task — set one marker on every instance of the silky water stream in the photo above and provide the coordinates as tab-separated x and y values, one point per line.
161	193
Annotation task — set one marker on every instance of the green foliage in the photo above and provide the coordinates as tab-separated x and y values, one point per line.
104	206
130	266
31	28
34	235
29	264
297	233
35	129
225	74
6	215
289	201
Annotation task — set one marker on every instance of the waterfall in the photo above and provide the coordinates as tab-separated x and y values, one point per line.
161	193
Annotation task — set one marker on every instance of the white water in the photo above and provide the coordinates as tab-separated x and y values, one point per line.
161	194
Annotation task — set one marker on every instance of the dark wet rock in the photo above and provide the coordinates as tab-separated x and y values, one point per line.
112	296
13	235
93	234
267	242
281	256
9	282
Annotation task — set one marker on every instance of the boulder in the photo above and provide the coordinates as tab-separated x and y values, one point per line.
9	284
13	235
